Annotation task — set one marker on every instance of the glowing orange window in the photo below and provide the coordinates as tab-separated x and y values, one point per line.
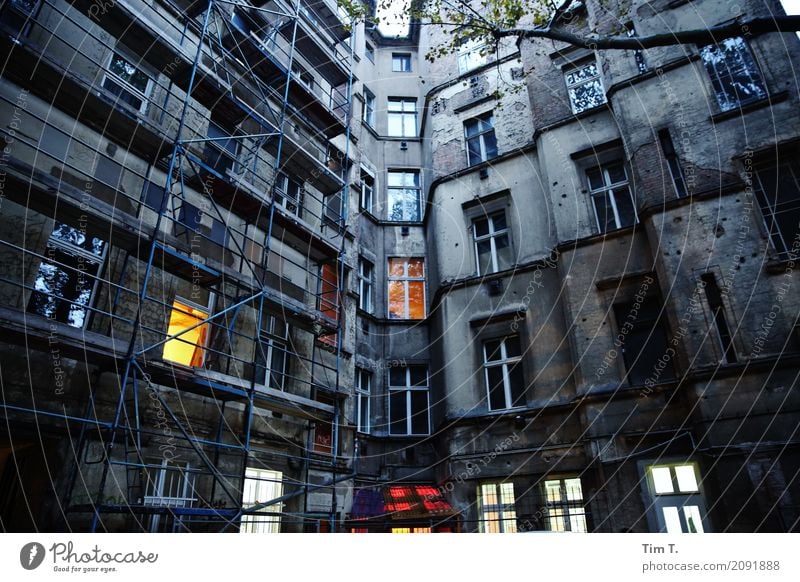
329	299
187	348
406	288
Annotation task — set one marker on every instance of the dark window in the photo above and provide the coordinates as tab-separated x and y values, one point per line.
644	340
190	216
777	187
481	141
734	73
272	353
152	194
673	162
220	150
66	279
611	196
127	82
408	400
505	384
714	297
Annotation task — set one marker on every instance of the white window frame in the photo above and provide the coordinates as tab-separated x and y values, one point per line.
505	508
416	179
408	389
471	55
282	190
366	284
108	74
480	137
404	108
405	278
275	338
368	114
491	237
363	400
260	486
570	86
367	190
505	363
608	188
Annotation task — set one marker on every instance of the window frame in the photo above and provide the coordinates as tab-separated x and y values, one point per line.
276	340
677	498
368	112
490	236
108	74
505	363
281	191
416	187
609	188
363	400
406	279
208	311
367	195
402	59
466	56
564	509
403	114
506	511
408	388
571	86
480	137
366	284
268	523
717	78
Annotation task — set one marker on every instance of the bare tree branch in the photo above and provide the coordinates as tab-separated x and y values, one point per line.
701	36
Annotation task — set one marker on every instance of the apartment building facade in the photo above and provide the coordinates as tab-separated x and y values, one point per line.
263	272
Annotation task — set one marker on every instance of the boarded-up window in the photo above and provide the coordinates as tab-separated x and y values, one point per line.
187	348
406	288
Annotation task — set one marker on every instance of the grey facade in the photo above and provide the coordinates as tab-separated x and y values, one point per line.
255	267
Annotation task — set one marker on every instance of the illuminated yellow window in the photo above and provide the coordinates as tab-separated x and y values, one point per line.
186	349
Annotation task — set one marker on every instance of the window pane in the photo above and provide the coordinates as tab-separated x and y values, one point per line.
694	524
485	263
474	151
507	493
416	300
686	478
587	96
419	411
595	176
397	412
616	174
672	520
605	214
397	300
397	377
662	480
490	144
573	488
499	221
397	267
419	375
577	522
416	267
517	382
625	209
187	348
512	346
73	285
128	73
497	398
552	490
503	252
481	227
492	350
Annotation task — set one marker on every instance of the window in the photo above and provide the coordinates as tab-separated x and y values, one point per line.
471	55
329	300
406	288
189	217
677	501
367	190
288	194
645	342
777	188
67	277
585	88
492	248
481	141
366	273
152	195
369	52
305	78
505	384
369	108
734	74
611	196
403	194
333	209
402	116
261	486
19	14
168	484
497	512
408	401
714	298
271	360
673	163
220	149
638	54
363	389
564	502
401	63
187	348
323	428
127	82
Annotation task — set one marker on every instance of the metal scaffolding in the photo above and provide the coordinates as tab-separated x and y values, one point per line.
234	206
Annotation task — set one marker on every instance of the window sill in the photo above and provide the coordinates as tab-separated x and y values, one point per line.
754	106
